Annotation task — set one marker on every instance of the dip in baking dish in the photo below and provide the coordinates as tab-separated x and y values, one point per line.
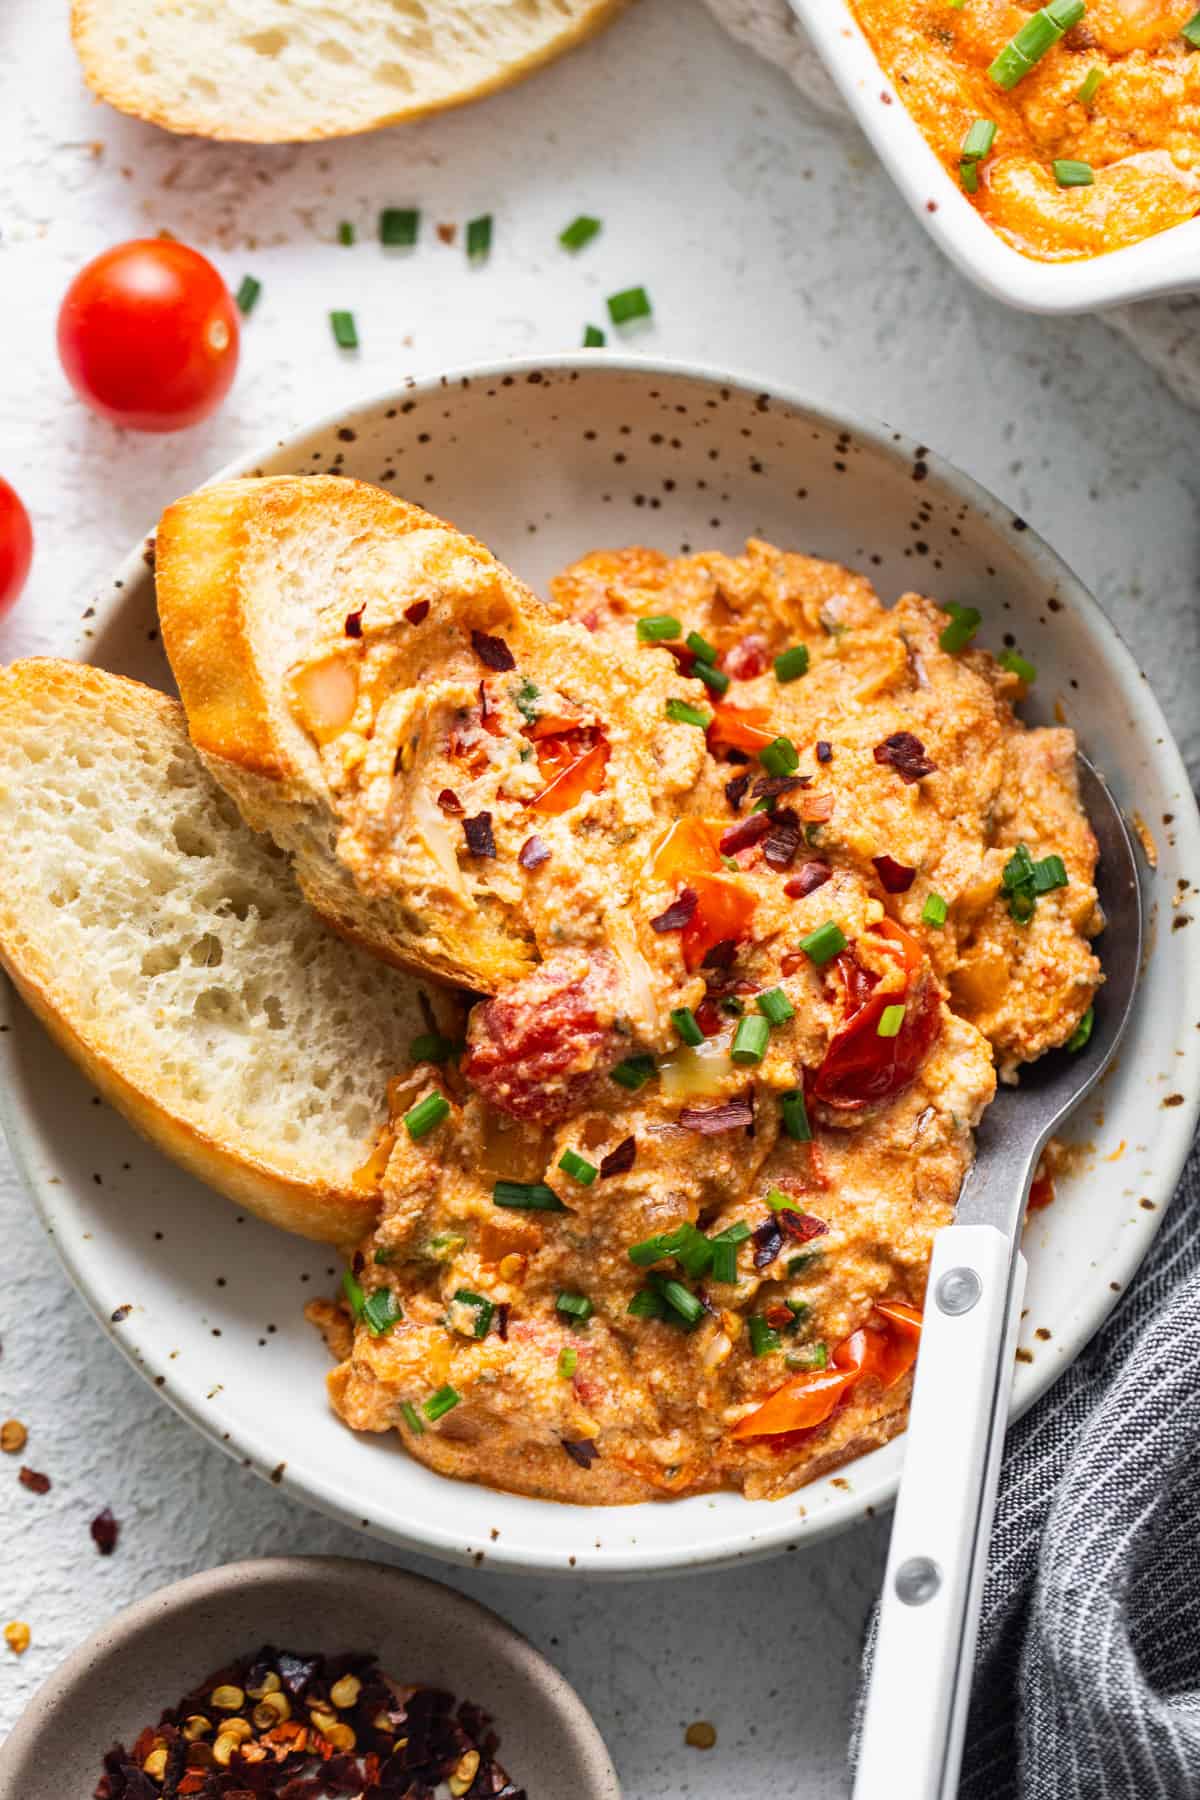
1073	128
664	1227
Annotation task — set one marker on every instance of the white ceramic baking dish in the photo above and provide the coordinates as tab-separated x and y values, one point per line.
1163	264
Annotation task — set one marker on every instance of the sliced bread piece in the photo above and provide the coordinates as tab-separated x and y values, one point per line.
280	71
164	946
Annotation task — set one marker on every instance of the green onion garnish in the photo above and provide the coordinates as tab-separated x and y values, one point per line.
1031	43
630	303
354	1294
1083	1030
823	944
1048	874
780	757
346	232
978	140
398	226
968	174
484	1310
578	1168
691	1249
1069	174
579	232
725	1249
712	677
593	338
762	1339
649	1251
775	1006
444	1247
799	1310
425	1115
890	1021
809	1356
439	1404
381	1310
634	1072
568	1362
778	1201
729	1002
796	1265
681	1300
1093	78
934	911
345	332
1018	869
700	647
575	1306
1018	665
682	713
790	664
684	1021
247	295
1191	31
795	1116
964	623
411	1417
750	1039
526	1196
655	628
431	1047
646	1304
479	235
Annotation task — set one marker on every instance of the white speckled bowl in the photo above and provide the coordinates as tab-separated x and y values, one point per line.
544	461
147	1656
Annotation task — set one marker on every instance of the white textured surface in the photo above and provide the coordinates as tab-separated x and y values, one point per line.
770	241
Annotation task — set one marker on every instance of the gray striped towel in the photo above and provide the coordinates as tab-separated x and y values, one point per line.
1087	1682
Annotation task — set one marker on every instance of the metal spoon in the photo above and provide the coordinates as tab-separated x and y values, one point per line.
916	1709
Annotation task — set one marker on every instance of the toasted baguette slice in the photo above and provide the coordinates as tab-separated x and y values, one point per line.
279	71
164	946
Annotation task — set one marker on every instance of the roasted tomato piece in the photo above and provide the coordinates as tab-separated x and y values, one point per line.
741	728
749	657
723	911
689	848
804	1401
861	1068
884	1349
571	760
535	1049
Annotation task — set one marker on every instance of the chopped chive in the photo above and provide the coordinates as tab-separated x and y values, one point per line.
780	757
381	1310
750	1039
713	678
479	236
575	1306
1191	31
398	226
1027	48
1082	1031
578	1168
762	1339
568	1362
426	1115
1018	665
1021	904
682	713
445	1246
737	1233
526	1196
431	1047
345	332
795	1116
775	1006
484	1310
791	664
684	1021
646	1304
691	1249
354	1294
1049	873
809	1356
934	911
382	1257
634	1072
650	1250
656	628
823	944
439	1404
796	1265
1069	173
593	338
978	140
411	1417
724	1263
247	295
729	1002
579	232
1094	77
346	233
700	647
799	1310
964	623
630	303
1018	869
680	1300
890	1021
968	174
778	1201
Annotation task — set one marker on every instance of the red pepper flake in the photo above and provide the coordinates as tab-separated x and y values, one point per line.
34	1480
770	787
721	956
801	1226
809	878
896	877
449	802
354	622
708	1017
493	652
824	750
747	831
678	913
735	790
478	833
709	1121
105	1531
533	853
503	1309
620	1160
782	841
906	754
417	611
581	1451
683	656
767	1241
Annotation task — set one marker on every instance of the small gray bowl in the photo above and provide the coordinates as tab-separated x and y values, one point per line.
147	1656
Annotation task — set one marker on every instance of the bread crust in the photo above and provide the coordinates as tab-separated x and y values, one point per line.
87	26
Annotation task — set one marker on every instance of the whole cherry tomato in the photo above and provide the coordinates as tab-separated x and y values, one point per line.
16	545
148	335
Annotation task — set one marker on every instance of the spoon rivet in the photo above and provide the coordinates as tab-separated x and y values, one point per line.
957	1291
917	1580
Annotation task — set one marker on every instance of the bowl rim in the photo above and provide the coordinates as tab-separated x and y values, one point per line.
209	1586
876	1481
1165	263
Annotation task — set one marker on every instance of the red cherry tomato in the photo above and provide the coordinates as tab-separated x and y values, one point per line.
16	545
860	1067
148	335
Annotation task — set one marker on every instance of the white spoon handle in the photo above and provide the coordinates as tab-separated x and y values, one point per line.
920	1683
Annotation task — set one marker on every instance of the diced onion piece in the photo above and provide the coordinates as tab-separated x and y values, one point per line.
689	1073
431	828
324	696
